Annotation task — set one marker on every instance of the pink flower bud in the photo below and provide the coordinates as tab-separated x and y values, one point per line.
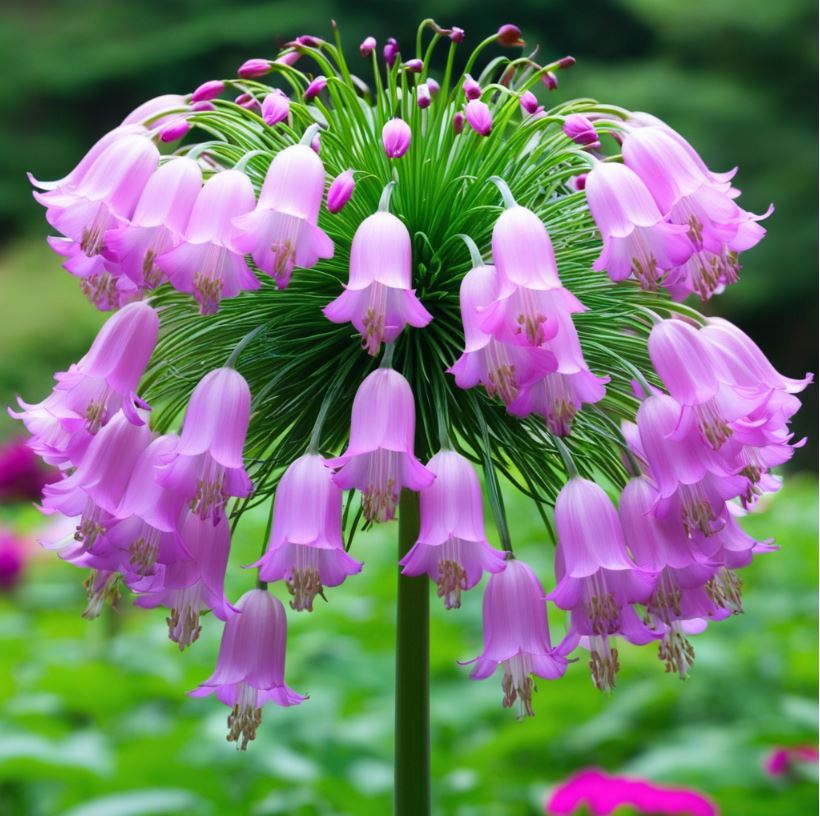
423	97
340	190
290	58
390	52
174	130
307	40
433	86
203	106
578	128
578	182
550	81
315	88
208	90
368	46
396	137
316	144
529	102
456	34
472	90
458	122
414	65
479	117
275	108
254	68
246	100
509	35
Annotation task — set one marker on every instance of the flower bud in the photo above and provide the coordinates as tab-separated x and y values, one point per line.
368	46
315	88
423	97
433	86
275	108
340	190
529	102
456	34
208	90
308	41
509	35
458	122
390	52
174	130
472	90
203	106
414	66
396	137
578	128
479	117
290	58
254	68
246	100
550	81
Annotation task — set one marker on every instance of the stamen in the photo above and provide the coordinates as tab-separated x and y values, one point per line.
244	719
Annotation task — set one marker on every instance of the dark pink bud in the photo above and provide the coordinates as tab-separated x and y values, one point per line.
340	190
479	117
254	68
456	34
368	46
509	35
414	65
315	88
307	40
472	90
578	183
458	122
291	58
578	128
433	86
390	52
246	100
208	90
396	137
203	106
423	97
529	102
566	62
550	81
174	130
275	108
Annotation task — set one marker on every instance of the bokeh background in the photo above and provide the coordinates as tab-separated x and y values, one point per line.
93	720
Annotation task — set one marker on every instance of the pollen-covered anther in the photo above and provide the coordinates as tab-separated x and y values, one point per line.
604	614
208	287
209	494
101	590
304	584
452	580
646	272
380	505
183	626
521	691
532	325
676	652
143	555
243	721
373	323
725	590
283	253
604	668
502	382
88	531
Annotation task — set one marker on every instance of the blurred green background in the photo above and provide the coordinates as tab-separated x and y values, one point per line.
92	717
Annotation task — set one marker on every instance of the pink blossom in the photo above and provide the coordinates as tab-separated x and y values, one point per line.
472	90
208	91
414	66
340	191
529	102
275	108
509	35
282	231
452	546
368	46
207	263
174	130
550	81
250	667
637	240
390	52
479	117
783	759
379	459
578	128
315	87
378	299
306	547
423	96
396	137
252	68
433	86
517	635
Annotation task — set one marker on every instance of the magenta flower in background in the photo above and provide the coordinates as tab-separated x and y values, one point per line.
783	760
368	46
250	668
472	90
282	231
597	581
378	299
22	476
208	90
253	68
452	546
340	191
637	240
432	86
158	222
379	460
578	128
275	108
502	368
396	137
479	117
517	636
192	585
12	559
306	547
207	264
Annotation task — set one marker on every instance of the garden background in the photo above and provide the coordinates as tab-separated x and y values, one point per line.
93	717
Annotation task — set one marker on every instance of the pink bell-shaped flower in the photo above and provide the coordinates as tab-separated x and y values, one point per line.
378	299
379	459
207	466
517	635
275	108
207	264
250	668
282	231
306	547
479	117
396	135
452	546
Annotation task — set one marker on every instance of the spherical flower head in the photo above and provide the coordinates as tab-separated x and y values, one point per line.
368	46
174	130
252	68
275	108
390	52
378	299
379	459
423	96
578	128
206	263
509	35
517	636
315	88
529	102
207	467
208	91
479	117
282	233
250	667
12	559
452	546
472	90
306	547
396	137
340	191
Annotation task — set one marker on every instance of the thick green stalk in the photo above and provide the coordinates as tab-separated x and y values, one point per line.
412	757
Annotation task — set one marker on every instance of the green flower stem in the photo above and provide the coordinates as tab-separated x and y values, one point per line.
412	755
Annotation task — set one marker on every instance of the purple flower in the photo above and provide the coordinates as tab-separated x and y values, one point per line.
282	231
250	668
414	66
252	68
517	635
479	117
368	46
206	263
452	546
509	35
472	90
379	459
456	34
340	191
550	81
158	223
396	136
390	52
102	383
275	108
174	130
315	88
637	240
578	128
378	299
597	581
207	466
208	91
529	102
458	122
306	547
423	97
22	477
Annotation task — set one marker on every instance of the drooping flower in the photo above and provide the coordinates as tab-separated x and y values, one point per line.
517	635
529	102
637	240
315	87
479	117
396	137
378	299
390	51
102	383
578	128
250	668
275	108
597	581
472	90
253	68
158	222
306	547
157	112
340	191
282	231
368	46
207	263
208	90
452	546
509	35
174	130
379	459
207	465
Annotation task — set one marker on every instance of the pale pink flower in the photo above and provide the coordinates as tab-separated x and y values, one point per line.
396	135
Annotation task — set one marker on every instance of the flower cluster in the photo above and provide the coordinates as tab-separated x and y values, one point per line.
410	175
